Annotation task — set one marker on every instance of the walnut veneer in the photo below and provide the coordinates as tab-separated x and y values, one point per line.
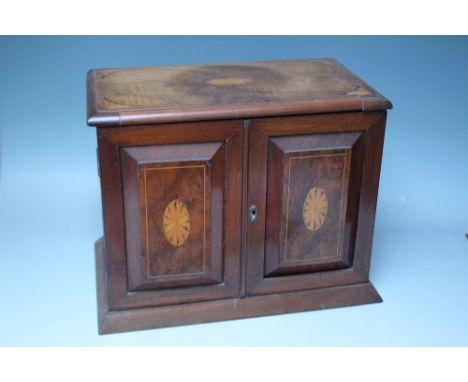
234	190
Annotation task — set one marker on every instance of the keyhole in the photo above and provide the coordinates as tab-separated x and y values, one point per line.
253	212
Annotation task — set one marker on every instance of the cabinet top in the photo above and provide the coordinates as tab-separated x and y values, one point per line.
159	94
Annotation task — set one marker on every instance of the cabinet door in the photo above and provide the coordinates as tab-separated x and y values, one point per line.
313	181
176	236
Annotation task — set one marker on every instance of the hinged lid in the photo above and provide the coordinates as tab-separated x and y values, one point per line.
149	95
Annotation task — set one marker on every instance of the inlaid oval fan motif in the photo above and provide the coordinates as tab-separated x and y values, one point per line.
315	209
176	223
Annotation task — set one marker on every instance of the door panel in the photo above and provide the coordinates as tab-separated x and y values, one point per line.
179	190
176	237
310	175
307	200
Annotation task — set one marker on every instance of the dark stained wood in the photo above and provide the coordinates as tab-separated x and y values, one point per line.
121	259
155	177
262	132
186	151
245	210
226	309
297	165
368	195
232	90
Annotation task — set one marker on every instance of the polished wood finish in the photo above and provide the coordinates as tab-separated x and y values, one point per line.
235	90
299	169
220	148
210	214
164	182
371	125
225	309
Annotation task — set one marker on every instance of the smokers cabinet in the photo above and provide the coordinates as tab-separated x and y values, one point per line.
234	190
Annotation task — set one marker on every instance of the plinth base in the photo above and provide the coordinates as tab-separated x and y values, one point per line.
221	310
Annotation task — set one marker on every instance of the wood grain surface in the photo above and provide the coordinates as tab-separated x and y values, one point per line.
226	309
322	259
163	183
195	92
142	272
186	153
297	167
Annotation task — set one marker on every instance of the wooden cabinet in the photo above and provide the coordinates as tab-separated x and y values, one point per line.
234	190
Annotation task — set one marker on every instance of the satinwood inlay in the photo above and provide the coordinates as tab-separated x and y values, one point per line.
176	223
315	209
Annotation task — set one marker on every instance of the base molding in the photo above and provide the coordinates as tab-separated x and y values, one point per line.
220	310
